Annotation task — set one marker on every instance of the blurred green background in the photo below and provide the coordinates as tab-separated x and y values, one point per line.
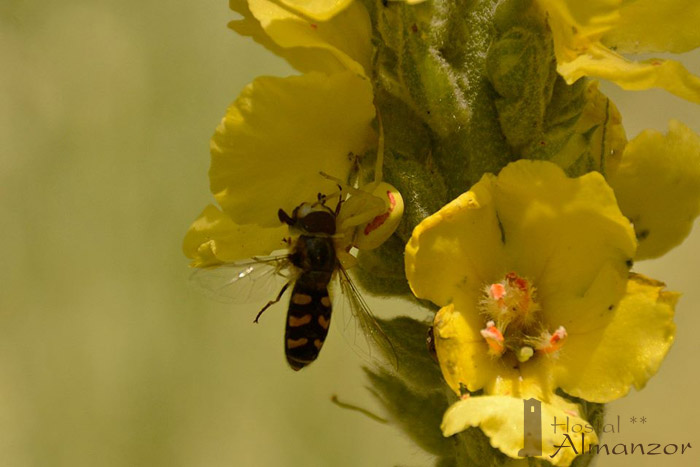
107	357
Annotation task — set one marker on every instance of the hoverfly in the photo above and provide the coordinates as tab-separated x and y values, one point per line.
314	257
318	249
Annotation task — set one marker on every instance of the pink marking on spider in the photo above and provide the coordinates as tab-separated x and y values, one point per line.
380	219
392	200
376	223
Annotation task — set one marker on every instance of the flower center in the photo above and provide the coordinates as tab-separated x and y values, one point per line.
514	321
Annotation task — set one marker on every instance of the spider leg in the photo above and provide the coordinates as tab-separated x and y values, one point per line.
340	200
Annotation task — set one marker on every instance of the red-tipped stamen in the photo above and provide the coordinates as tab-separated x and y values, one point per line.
555	341
497	291
494	338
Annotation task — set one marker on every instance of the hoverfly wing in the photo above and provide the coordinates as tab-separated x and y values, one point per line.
243	281
360	328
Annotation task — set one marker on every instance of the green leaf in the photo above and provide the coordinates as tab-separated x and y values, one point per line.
417	366
418	414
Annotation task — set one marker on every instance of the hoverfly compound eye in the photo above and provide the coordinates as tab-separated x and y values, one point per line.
380	228
319	222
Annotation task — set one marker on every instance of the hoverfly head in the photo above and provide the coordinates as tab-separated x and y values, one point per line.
310	218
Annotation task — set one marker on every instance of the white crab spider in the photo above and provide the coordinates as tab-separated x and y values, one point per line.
371	213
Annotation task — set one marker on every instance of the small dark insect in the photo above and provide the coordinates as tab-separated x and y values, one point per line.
430	343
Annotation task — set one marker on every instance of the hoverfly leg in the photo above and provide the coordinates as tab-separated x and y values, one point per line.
272	302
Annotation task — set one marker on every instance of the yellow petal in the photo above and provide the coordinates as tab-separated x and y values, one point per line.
502	419
317	9
463	353
576	25
566	235
658	187
600	62
304	59
578	29
279	134
340	42
656	26
457	250
602	366
215	239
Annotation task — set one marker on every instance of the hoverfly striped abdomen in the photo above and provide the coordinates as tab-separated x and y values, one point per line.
308	318
309	312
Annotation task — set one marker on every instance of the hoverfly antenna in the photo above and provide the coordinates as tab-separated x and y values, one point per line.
284	217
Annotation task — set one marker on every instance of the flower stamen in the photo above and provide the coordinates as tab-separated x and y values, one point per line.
514	320
510	301
552	342
494	338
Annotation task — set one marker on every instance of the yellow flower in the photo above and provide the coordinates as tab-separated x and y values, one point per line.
590	36
267	154
280	133
530	268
